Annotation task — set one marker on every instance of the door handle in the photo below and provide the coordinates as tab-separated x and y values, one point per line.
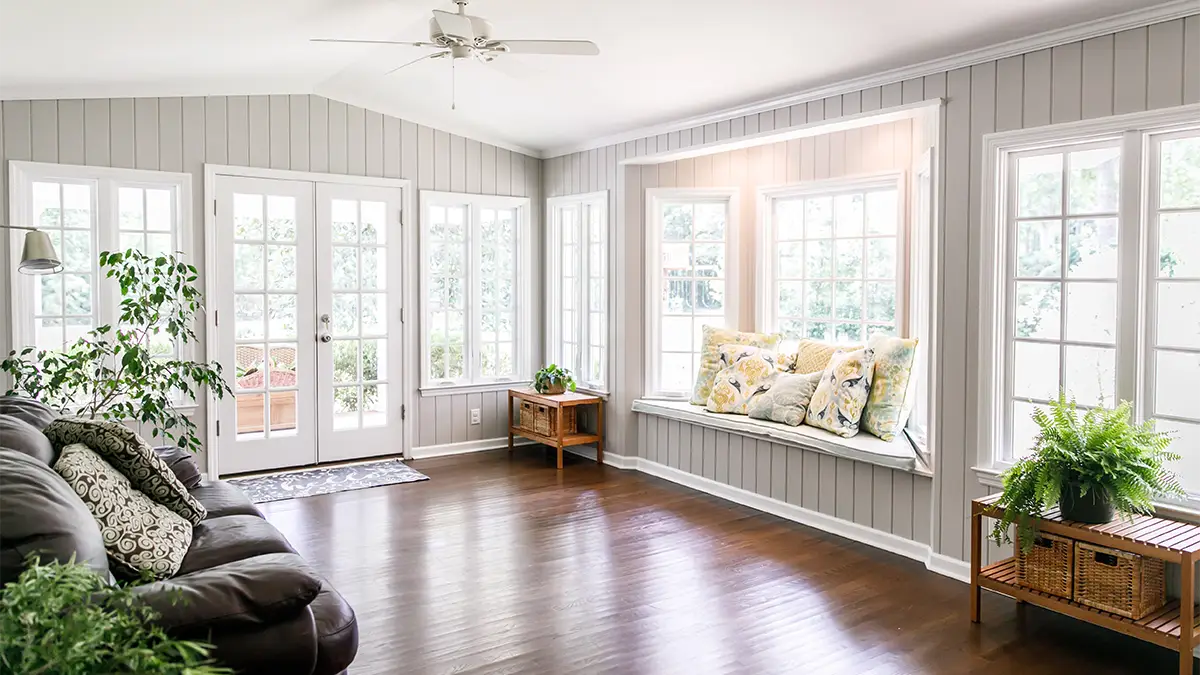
325	319
326	338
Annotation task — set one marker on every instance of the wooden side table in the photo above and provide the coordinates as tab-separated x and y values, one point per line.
559	439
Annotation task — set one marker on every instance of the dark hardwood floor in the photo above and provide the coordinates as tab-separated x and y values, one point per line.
499	566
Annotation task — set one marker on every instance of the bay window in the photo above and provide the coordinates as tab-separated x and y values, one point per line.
577	294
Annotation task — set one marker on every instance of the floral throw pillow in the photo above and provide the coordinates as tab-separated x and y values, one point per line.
713	338
787	399
140	535
892	392
131	455
745	371
841	394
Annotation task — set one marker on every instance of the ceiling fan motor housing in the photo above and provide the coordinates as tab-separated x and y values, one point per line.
481	28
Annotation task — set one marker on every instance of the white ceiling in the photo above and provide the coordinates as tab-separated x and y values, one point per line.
660	59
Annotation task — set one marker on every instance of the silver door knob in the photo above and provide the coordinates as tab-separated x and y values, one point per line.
326	338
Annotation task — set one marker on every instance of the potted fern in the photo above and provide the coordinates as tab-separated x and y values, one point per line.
1091	466
553	380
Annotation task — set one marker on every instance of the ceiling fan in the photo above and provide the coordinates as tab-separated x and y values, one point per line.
461	36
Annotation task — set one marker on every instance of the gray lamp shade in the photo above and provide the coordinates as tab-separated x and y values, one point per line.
39	256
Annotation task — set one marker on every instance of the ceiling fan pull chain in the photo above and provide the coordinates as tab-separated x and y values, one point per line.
453	84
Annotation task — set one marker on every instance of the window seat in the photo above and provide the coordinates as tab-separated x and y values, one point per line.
863	447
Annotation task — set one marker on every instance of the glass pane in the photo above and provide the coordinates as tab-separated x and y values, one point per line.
596	299
437	361
247	216
881	258
848	213
129	205
374	405
281	316
819	259
132	240
1179	244
1039	186
791	260
345	314
819	299
677	296
710	222
1175	377
847	332
1024	429
345	220
77	206
505	352
1091	375
345	407
849	254
345	267
248	266
374	360
880	329
1179	314
77	327
251	366
50	299
677	260
283	411
820	331
158	210
78	291
1094	183
250	416
1035	370
789	219
677	222
1180	185
159	244
676	334
49	334
373	313
1039	248
1092	252
281	218
76	250
454	362
248	316
1187	440
46	205
848	301
676	374
281	268
374	222
374	268
1092	312
710	260
1038	310
283	366
881	301
710	297
791	298
818	217
345	361
882	210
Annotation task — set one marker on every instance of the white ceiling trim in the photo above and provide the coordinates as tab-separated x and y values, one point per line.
1135	19
164	89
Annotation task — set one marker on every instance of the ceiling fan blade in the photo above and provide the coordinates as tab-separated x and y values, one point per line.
454	24
434	55
374	42
554	47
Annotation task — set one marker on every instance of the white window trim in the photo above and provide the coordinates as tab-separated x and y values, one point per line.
523	337
23	174
1131	131
553	270
654	200
765	318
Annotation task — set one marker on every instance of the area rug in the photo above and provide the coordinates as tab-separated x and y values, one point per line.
324	480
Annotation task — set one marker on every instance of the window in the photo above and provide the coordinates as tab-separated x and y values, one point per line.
86	210
691	280
475	282
577	295
832	260
1092	277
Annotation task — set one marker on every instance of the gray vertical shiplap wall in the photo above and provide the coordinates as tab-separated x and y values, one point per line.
301	132
1134	70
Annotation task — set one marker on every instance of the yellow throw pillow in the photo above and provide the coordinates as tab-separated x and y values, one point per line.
838	403
813	356
891	387
709	357
747	371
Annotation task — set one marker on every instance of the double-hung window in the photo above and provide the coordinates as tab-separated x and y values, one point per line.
691	280
832	259
475	290
1092	278
577	294
86	210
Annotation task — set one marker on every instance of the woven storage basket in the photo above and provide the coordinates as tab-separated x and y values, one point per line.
545	420
526	417
1118	581
1047	567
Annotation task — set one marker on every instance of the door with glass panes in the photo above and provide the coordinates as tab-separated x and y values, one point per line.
308	323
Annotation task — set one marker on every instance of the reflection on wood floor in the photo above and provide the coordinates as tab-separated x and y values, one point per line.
508	566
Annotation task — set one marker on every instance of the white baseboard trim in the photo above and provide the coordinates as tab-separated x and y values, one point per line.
445	449
618	461
934	562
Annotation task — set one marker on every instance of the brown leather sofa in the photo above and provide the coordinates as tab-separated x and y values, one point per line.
241	587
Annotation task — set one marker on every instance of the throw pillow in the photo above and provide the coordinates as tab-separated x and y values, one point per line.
841	395
139	535
812	356
892	392
713	338
745	372
132	456
787	399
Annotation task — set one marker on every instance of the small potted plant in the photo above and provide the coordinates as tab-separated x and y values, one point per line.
1090	466
553	380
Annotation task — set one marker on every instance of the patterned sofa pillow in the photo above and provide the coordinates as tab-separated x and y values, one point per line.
745	371
892	394
132	456
787	399
139	534
812	356
841	395
713	338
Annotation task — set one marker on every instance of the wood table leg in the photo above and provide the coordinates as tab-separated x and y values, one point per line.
976	559
510	424
600	432
561	424
1187	612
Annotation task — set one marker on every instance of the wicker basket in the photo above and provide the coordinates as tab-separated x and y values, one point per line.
1118	581
1048	566
543	419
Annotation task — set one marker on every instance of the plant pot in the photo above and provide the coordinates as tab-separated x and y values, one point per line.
1094	508
553	389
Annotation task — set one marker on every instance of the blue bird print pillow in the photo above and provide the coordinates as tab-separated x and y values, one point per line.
837	404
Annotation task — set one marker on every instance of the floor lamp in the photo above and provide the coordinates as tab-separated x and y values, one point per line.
38	256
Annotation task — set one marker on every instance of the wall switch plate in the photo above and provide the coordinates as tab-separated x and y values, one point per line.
474	415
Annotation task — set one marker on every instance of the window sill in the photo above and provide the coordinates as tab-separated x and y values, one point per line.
450	389
862	447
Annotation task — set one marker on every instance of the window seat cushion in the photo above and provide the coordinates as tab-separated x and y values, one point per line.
897	454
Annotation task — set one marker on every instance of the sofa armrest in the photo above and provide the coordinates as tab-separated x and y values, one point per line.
244	594
182	464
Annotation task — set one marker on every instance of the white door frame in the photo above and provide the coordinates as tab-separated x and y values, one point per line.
408	290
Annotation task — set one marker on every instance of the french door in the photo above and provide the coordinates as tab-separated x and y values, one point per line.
308	322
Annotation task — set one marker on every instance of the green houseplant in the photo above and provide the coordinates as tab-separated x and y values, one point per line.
553	380
1089	465
64	619
129	370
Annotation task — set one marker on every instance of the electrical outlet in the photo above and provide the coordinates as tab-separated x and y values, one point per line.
474	415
